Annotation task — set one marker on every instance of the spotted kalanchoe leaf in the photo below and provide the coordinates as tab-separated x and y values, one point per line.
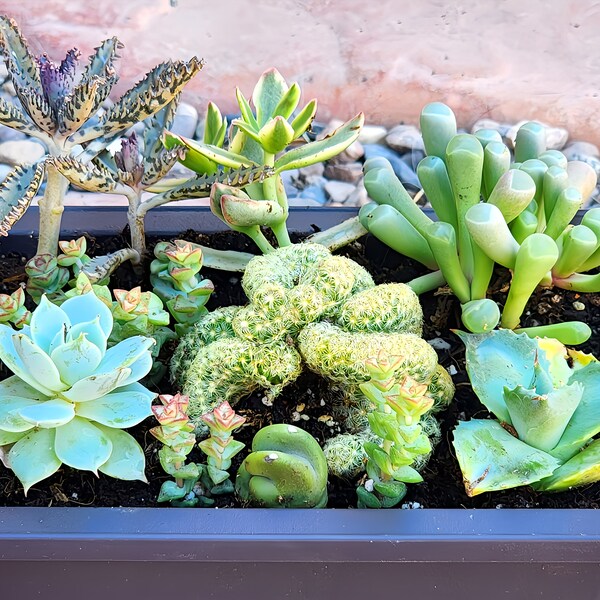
13	117
93	177
21	63
101	63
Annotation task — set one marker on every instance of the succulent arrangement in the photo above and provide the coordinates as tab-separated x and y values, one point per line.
85	352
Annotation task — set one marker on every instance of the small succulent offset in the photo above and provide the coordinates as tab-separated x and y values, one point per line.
395	418
546	399
259	139
13	310
286	469
70	396
65	113
522	224
175	278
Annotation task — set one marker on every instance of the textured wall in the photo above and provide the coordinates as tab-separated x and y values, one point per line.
505	59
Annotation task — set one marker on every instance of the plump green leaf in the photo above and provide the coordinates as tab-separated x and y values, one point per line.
82	445
321	150
169	490
76	359
127	459
492	459
15	386
47	320
86	308
96	386
93	333
275	135
117	409
48	415
39	364
304	118
269	91
10	420
33	458
288	103
246	110
10	437
242	212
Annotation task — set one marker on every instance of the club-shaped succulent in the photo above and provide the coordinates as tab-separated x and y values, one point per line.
522	222
64	110
286	469
259	138
545	398
70	397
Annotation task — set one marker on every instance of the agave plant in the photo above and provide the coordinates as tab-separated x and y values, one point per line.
65	112
70	397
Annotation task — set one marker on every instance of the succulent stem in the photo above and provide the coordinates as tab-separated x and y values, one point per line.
51	210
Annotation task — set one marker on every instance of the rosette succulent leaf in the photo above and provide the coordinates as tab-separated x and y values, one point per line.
13	310
64	110
545	398
70	396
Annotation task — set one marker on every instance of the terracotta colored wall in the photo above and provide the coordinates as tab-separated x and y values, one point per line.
505	59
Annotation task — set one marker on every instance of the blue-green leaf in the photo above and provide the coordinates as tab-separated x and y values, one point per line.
49	414
82	445
118	409
127	459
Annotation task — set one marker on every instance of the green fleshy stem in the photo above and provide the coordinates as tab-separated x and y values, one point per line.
434	178
464	158
578	244
566	207
496	162
514	191
394	230
385	188
438	127
442	241
554	158
491	234
570	333
480	316
536	169
579	282
537	255
530	141
426	283
591	219
555	181
523	226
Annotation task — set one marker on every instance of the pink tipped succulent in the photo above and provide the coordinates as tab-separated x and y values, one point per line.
173	410
223	419
133	301
12	308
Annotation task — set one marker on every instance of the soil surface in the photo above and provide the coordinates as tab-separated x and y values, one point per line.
442	486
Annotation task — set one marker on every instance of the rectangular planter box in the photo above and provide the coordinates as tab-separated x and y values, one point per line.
124	553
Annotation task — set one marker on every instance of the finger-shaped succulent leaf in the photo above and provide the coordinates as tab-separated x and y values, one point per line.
438	125
92	177
530	141
81	445
148	96
582	177
22	65
16	193
578	244
492	459
126	461
496	162
480	316
287	468
433	176
321	150
536	169
33	458
556	180
512	193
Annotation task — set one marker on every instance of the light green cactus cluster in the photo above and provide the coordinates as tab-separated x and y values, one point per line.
304	310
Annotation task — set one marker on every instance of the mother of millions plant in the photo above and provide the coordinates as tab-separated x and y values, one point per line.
65	112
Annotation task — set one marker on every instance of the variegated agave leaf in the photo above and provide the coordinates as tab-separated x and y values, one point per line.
102	61
86	99
200	186
12	116
155	125
16	193
93	177
157	167
148	96
22	65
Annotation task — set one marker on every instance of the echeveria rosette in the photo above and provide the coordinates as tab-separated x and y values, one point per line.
546	399
70	396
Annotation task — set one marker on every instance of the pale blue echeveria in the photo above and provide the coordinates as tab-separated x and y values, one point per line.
547	399
70	396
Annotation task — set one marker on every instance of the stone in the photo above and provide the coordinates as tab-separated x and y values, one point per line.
348	172
372	134
556	137
290	180
576	149
406	175
413	158
359	197
19	152
312	173
185	121
304	201
313	192
338	191
403	138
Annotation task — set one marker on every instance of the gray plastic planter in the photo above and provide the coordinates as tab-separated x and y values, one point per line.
243	554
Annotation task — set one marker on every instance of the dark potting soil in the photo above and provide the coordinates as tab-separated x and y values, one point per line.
307	402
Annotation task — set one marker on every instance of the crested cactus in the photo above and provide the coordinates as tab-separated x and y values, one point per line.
65	112
286	469
70	396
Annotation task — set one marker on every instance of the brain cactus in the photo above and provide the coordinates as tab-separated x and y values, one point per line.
70	396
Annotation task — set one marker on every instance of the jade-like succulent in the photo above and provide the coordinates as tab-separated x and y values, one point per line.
73	254
46	277
70	396
13	310
546	400
176	433
522	222
65	112
175	278
259	139
286	469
